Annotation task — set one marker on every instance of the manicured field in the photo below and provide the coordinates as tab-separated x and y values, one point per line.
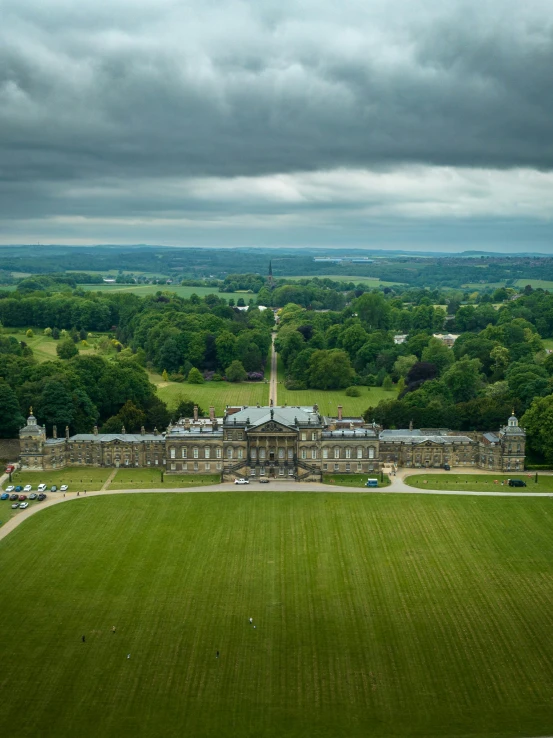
151	289
151	479
218	394
355	480
328	400
375	616
535	283
481	482
77	478
43	347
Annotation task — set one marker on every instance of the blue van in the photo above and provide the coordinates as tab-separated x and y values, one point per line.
372	483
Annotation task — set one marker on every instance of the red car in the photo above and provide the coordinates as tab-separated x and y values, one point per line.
10	468
22	497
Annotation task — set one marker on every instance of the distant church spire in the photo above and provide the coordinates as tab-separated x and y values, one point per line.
270	279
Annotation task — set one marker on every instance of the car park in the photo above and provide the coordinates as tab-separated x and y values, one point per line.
41	497
64	488
14	496
15	505
41	487
5	496
241	481
10	488
53	488
33	496
23	505
27	488
22	498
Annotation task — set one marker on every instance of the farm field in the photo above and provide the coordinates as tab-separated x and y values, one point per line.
355	480
369	281
481	482
218	394
151	479
151	289
328	400
375	615
545	284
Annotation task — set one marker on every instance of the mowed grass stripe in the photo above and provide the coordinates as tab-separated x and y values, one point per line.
375	615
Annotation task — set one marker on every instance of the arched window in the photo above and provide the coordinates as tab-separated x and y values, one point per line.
359	452
196	452
229	453
173	452
371	452
207	452
348	453
336	452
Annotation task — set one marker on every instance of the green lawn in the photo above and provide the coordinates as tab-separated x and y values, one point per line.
328	400
218	394
355	480
535	283
481	482
77	478
44	347
375	616
151	479
151	289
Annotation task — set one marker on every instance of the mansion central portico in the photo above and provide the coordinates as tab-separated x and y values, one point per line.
274	442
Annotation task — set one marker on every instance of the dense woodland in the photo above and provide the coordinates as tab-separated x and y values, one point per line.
331	335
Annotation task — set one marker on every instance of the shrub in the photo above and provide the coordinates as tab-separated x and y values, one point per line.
236	372
353	392
47	331
176	377
29	333
195	376
295	384
255	376
66	349
216	377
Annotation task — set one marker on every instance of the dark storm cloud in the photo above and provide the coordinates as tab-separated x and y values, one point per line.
102	104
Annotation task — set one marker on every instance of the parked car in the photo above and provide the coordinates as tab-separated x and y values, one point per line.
517	483
53	488
23	505
10	468
447	467
5	496
41	487
27	488
14	496
15	505
41	497
64	488
10	488
241	481
264	480
371	483
22	498
18	488
33	496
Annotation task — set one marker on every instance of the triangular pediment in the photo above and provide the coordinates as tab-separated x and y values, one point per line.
271	426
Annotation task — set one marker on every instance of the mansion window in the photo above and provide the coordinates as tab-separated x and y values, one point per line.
183	452
173	467
325	453
348	467
304	436
196	467
359	467
172	453
281	453
290	472
290	453
254	453
336	467
359	452
261	453
371	452
229	453
219	466
313	453
281	471
218	452
208	467
325	467
348	453
240	453
313	436
195	452
207	452
336	453
303	453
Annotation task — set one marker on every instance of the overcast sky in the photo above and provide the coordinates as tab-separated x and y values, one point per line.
378	123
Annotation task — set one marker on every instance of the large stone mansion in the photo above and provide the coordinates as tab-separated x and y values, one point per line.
277	442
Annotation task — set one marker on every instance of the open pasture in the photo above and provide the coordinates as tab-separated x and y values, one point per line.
480	482
218	394
375	615
151	289
372	282
44	347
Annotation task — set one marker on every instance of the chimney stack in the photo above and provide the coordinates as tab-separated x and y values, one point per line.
195	413
211	413
67	432
410	425
339	412
55	431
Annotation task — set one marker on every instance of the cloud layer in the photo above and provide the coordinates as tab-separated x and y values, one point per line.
154	120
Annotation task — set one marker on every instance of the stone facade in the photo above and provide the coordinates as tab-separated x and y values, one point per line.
281	443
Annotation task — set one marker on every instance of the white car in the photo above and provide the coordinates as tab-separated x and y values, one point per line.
27	488
15	505
10	488
241	481
24	506
41	488
64	488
